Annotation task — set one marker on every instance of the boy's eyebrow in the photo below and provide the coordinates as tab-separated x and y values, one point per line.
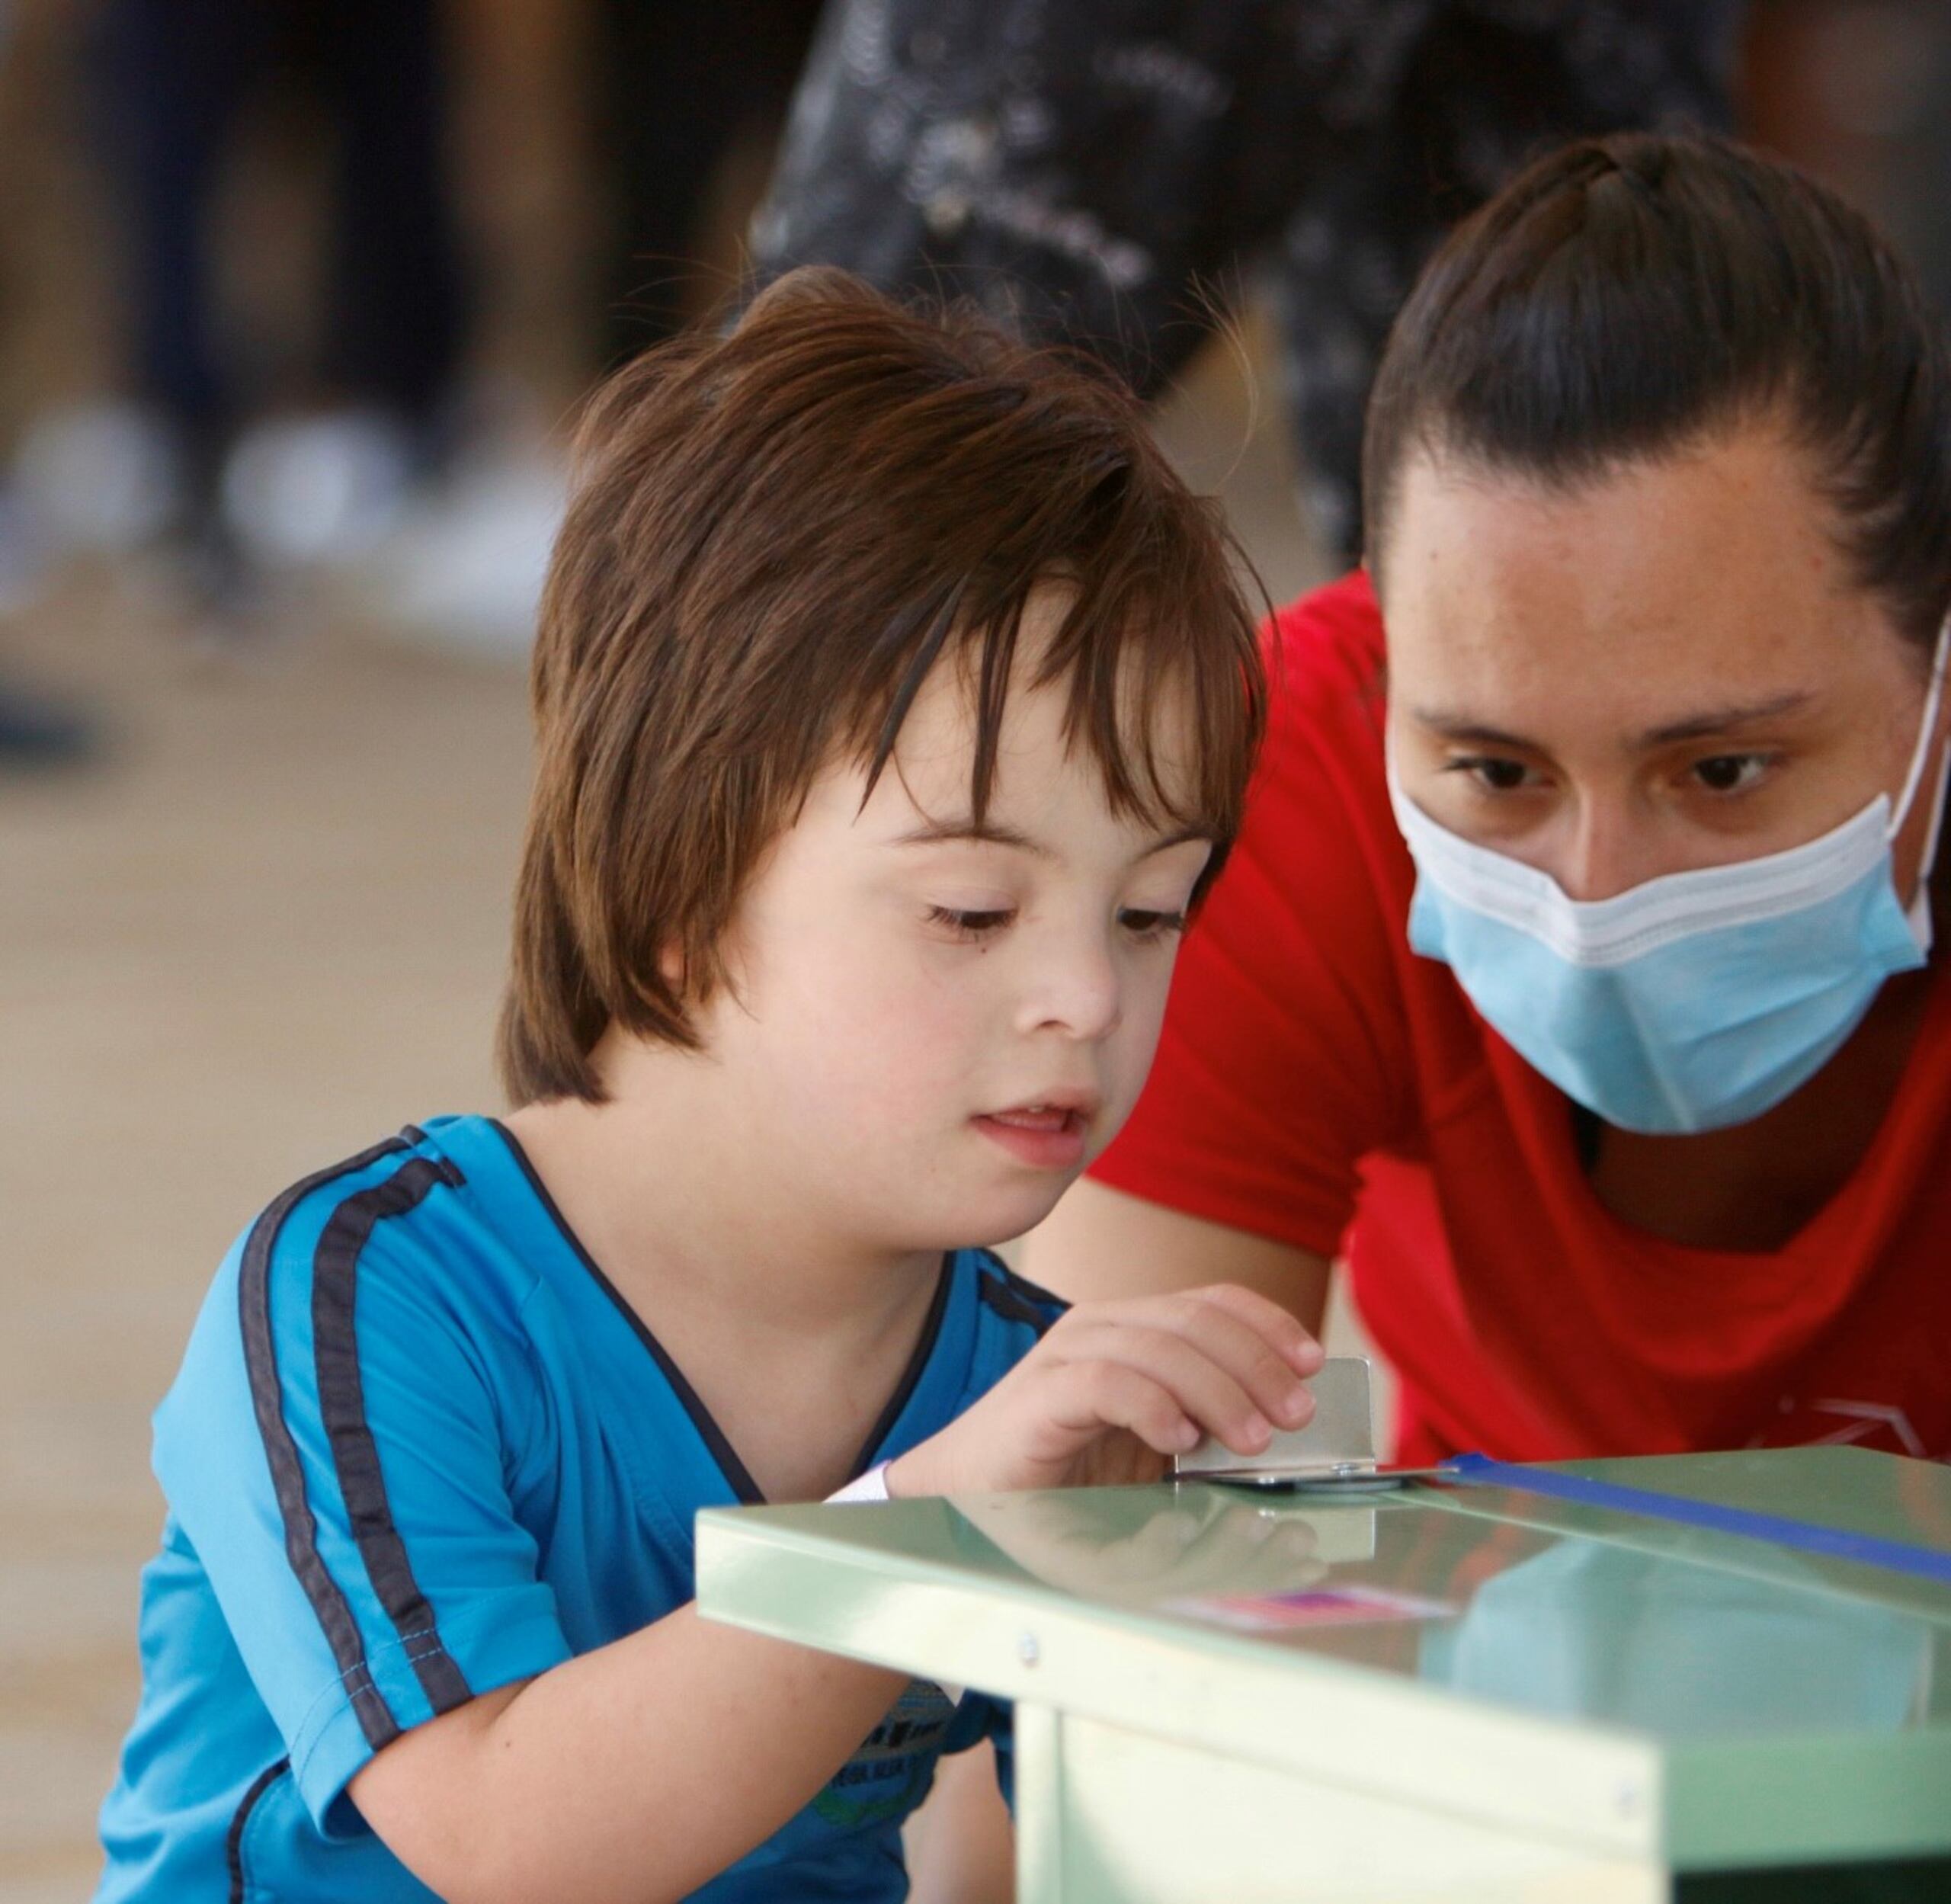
989	832
993	833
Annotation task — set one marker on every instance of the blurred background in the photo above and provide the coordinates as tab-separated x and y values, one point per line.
297	300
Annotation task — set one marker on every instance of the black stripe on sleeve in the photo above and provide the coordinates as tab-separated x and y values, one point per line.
233	1842
342	1404
1015	1298
301	1530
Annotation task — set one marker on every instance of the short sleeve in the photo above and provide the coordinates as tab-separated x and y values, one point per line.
1284	1057
981	1716
334	1451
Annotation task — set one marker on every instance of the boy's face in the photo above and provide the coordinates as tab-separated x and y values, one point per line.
932	1033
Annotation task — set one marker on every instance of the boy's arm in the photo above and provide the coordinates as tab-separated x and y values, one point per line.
636	1772
960	1846
639	1770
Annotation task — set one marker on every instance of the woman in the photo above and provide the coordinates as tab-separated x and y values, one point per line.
1573	978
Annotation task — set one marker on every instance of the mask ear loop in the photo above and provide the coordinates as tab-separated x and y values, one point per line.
1921	752
1918	912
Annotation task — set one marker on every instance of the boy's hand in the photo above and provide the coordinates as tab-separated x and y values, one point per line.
1115	1389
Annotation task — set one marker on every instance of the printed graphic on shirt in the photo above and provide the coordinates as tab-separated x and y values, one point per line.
886	1776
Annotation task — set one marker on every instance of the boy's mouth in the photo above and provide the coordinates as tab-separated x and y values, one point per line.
1047	1135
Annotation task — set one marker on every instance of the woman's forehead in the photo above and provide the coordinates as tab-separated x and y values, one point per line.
1647	583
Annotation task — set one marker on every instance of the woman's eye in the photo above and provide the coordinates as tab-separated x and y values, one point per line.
1143	924
965	924
1730	773
1493	772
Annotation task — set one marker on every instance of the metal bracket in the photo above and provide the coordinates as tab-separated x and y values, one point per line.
1334	1452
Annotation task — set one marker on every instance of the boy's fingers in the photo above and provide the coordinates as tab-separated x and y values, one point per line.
1256	1363
1101	1394
1269	1321
1274	1325
1249	1357
1203	1388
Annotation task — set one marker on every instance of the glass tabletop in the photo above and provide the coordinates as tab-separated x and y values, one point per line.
1517	1600
1542	1663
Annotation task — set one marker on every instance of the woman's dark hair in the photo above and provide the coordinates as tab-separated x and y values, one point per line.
1625	297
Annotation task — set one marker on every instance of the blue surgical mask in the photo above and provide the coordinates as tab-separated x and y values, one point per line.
1699	999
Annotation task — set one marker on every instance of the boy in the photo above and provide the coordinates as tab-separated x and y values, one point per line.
895	704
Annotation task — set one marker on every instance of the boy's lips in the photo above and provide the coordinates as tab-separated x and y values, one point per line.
1048	1134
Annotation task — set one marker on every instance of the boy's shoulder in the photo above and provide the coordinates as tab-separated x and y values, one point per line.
396	1270
402	1208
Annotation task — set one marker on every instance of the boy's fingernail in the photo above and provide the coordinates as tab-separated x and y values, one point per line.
1257	1430
1188	1434
1294	1406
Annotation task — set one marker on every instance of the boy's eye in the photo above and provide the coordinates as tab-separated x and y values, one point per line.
1730	773
1142	924
967	924
1493	773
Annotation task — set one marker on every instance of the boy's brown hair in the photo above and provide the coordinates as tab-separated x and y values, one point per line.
774	535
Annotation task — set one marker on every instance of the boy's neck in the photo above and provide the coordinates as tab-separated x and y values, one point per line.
793	1338
663	1201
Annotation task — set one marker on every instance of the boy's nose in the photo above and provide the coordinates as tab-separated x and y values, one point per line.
1080	994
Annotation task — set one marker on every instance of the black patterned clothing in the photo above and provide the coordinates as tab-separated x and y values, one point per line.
1104	171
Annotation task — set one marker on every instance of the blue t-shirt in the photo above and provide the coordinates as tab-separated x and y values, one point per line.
419	1447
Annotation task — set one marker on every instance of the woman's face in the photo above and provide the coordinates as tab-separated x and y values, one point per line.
1667	668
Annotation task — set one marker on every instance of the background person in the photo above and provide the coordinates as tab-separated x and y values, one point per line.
175	79
1105	171
1624	1082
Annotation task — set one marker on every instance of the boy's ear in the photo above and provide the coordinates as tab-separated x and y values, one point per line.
670	968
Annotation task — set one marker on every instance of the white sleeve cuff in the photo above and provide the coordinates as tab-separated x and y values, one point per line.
870	1486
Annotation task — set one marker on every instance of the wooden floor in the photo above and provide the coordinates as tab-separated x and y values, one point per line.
268	928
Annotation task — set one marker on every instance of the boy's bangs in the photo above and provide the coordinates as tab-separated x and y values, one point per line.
1165	692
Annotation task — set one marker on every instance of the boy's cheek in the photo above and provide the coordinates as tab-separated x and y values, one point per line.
1134	1051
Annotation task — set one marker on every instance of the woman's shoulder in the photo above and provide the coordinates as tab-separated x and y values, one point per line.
1326	672
1330	638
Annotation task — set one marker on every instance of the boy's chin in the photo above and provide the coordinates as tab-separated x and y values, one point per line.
986	1222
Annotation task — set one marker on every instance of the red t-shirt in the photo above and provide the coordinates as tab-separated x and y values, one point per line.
1320	1084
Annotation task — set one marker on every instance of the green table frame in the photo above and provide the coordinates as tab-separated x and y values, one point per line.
1590	1707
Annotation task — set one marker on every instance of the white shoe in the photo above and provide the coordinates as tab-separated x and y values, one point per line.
321	491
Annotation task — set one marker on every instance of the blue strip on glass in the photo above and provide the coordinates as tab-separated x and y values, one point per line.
1806	1537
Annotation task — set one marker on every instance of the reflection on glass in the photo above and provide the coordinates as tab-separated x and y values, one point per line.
1570	1627
1142	1547
1608	1633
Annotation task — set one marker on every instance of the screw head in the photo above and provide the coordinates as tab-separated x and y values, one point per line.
1027	1649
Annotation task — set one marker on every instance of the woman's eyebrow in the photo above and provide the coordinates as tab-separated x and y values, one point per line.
1709	721
1721	720
1453	727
